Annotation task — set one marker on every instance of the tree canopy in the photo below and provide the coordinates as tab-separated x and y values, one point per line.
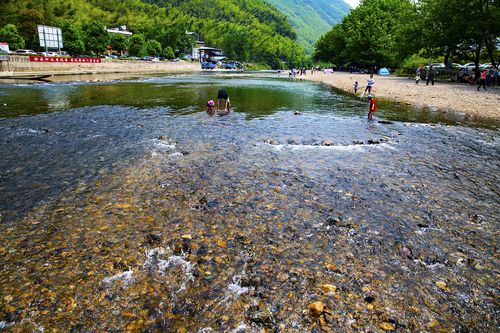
10	35
386	32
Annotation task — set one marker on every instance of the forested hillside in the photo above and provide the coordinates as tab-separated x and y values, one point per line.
247	30
312	18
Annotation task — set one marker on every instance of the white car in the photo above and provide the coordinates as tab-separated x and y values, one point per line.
48	54
24	51
468	67
484	66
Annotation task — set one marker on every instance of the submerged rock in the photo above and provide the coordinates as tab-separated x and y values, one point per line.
327	143
317	308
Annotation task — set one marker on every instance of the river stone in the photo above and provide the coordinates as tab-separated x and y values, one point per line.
317	308
329	288
327	143
386	326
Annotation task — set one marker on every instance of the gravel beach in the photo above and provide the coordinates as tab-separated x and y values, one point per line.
460	98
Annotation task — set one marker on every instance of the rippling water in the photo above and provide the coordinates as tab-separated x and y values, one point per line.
125	207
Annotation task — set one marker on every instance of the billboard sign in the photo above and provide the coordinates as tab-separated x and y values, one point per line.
50	37
4	47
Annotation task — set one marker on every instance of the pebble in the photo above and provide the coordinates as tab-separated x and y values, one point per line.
327	143
441	285
386	326
329	288
317	308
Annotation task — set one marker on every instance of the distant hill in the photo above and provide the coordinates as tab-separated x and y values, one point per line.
312	18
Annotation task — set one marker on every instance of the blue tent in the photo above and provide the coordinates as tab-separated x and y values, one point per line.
384	71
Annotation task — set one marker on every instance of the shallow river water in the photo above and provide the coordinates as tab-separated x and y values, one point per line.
124	207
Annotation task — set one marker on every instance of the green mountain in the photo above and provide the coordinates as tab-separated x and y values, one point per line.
312	18
247	30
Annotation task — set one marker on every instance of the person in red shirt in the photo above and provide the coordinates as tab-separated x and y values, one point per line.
482	81
372	107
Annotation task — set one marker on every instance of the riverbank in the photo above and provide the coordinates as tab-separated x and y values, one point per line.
462	99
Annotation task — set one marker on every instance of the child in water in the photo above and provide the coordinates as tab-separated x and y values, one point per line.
372	107
355	87
210	107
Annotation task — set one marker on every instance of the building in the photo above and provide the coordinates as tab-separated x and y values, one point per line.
120	30
200	53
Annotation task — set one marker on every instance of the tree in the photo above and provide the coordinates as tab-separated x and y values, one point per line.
28	20
72	37
369	35
137	45
10	35
168	53
96	37
118	42
153	47
447	33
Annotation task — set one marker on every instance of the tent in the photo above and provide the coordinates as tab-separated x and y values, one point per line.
384	71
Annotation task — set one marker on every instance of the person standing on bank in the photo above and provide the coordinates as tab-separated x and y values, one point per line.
369	84
482	80
222	95
430	76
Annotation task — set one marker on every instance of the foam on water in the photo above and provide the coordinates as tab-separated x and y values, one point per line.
163	145
161	266
242	328
237	289
126	277
429	266
206	330
335	148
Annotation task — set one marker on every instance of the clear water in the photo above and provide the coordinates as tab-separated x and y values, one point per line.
124	206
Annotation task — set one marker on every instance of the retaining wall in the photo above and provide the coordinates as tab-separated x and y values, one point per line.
13	64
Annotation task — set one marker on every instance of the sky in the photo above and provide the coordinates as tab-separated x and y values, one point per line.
353	3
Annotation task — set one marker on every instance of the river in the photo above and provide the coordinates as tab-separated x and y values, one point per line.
124	206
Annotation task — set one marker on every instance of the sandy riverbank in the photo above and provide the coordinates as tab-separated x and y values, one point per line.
460	98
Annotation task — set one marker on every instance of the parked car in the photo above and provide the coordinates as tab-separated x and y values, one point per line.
436	66
207	65
232	65
48	54
484	66
468	67
24	51
229	65
149	58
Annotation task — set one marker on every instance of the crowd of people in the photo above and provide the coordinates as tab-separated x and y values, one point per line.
488	76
